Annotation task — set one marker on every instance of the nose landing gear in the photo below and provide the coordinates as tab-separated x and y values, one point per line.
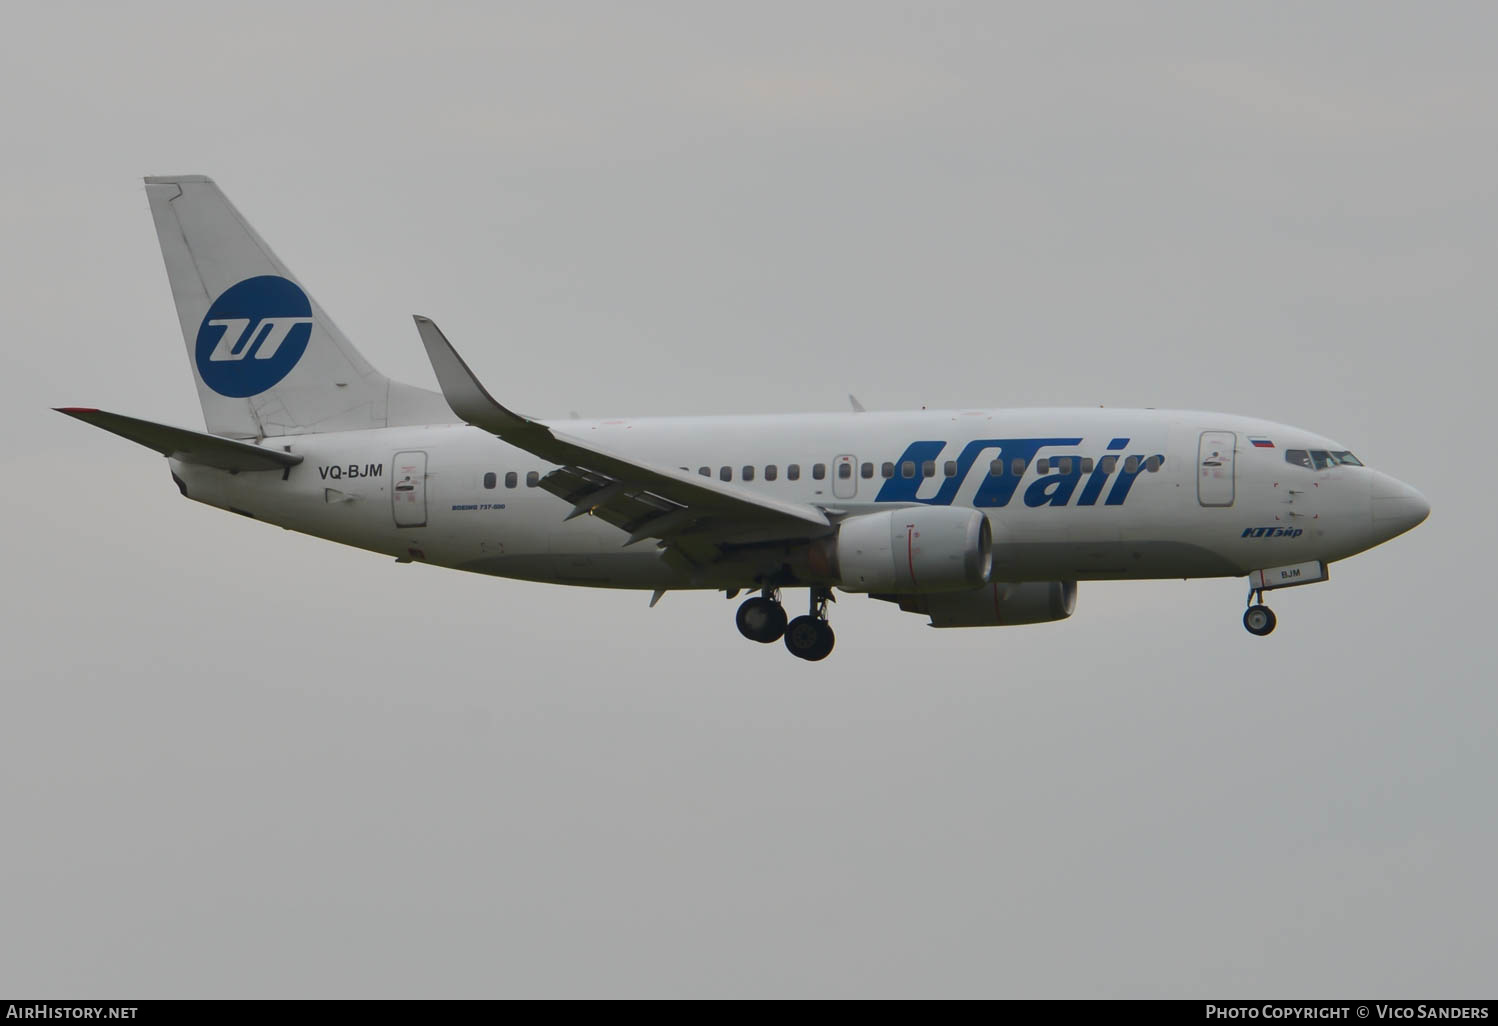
1258	619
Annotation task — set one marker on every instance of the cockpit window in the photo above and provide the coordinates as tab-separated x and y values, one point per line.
1321	459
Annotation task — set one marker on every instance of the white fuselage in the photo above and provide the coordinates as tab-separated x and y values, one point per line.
1185	494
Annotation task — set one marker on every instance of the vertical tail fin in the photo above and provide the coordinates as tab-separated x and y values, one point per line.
266	359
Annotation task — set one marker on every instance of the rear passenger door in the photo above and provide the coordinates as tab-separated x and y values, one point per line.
408	492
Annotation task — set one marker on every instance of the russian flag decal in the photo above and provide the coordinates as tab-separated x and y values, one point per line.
1261	443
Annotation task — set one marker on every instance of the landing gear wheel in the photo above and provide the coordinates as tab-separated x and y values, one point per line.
825	642
1259	620
808	638
761	619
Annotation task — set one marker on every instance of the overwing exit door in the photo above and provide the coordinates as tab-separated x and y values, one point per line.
408	494
845	477
1214	468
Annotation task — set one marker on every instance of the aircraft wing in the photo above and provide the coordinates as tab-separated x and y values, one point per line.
691	513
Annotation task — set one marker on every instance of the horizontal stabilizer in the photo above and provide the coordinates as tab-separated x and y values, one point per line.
187	446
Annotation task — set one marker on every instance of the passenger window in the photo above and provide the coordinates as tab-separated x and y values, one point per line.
1153	464
888	470
749	473
950	469
532	478
771	473
1017	466
907	469
1298	458
844	471
725	473
928	469
996	468
1086	464
1064	466
491	479
818	471
793	472
867	471
1109	464
705	471
512	479
1043	465
1131	465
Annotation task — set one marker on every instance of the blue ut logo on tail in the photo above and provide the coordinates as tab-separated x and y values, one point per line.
253	335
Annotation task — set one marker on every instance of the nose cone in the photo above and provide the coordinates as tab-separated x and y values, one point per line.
1396	507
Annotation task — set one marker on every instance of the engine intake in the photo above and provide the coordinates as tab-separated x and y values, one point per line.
913	550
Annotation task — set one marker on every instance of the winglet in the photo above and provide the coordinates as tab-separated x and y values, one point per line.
857	406
462	390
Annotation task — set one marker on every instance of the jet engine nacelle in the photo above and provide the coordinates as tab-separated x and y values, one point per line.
913	550
996	604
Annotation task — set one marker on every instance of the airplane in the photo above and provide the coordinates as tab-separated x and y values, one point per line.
971	518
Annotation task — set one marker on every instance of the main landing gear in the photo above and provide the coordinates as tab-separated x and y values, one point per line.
809	637
1258	618
762	619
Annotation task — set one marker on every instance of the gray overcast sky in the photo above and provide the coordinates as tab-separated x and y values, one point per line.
241	762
